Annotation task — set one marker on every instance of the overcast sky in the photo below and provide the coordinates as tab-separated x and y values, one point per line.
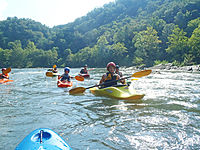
49	12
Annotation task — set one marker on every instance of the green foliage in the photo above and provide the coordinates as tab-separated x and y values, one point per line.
194	44
188	59
178	44
147	45
138	61
176	63
128	32
157	62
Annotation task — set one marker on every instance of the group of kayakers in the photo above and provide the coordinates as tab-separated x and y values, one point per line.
108	79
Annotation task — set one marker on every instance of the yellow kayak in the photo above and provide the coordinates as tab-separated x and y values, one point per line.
51	74
121	92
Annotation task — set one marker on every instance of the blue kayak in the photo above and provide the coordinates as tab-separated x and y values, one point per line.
43	139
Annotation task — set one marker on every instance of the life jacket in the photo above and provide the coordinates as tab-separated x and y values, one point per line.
83	71
65	77
54	71
110	77
6	75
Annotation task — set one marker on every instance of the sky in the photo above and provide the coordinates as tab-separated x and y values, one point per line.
49	12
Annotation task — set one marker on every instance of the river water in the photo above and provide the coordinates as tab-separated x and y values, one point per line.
168	117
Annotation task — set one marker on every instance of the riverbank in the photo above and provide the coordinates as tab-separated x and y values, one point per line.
171	67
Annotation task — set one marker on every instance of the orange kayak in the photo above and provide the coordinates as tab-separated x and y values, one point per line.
64	84
5	80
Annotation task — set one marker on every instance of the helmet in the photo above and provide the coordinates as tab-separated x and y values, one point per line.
85	65
117	66
67	69
3	69
110	64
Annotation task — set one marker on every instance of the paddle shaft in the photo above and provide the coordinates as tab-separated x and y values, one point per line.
108	82
137	75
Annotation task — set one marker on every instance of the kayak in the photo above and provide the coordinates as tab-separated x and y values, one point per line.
119	92
43	139
5	80
85	75
64	84
51	74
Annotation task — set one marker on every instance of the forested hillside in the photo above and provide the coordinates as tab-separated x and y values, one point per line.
128	32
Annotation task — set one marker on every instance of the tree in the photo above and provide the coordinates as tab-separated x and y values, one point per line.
17	56
178	46
147	46
194	44
117	53
4	58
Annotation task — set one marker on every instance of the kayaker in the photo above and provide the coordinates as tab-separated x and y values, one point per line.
118	72
54	69
4	75
84	70
110	76
65	76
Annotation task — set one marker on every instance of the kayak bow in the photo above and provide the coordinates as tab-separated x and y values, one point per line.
43	139
64	84
119	92
5	80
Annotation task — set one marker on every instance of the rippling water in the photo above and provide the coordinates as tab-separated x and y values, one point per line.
168	117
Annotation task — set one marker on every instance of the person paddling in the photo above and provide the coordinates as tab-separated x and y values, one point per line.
118	72
84	70
65	76
110	76
54	69
4	75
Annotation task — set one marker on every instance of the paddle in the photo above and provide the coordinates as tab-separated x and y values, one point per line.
91	69
78	78
139	74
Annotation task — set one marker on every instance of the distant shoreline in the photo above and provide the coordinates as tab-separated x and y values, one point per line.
171	67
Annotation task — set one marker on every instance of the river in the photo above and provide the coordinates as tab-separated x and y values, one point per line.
168	117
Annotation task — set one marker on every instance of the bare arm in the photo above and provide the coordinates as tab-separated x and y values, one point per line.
122	81
102	79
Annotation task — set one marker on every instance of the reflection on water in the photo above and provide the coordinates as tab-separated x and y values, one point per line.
166	118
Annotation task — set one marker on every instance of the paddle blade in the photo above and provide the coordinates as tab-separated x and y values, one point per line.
141	73
79	78
77	90
7	70
49	74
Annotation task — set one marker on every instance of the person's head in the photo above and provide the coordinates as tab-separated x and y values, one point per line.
85	67
111	67
117	67
67	70
3	69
